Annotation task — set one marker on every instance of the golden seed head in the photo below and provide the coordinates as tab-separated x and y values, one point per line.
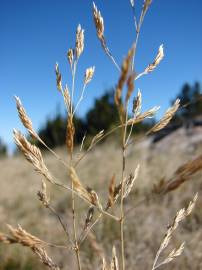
157	60
167	117
99	22
137	104
70	56
67	98
89	75
26	121
58	77
146	5
79	41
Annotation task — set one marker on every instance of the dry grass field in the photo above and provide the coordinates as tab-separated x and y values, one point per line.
113	206
146	223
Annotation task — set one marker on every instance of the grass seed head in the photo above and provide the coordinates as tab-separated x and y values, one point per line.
79	47
99	22
58	77
89	75
167	117
157	60
70	56
26	121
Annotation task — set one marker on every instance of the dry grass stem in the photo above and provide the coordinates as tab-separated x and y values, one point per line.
181	215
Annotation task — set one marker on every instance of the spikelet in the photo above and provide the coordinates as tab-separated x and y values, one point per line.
123	77
111	196
58	77
89	75
45	259
89	217
42	194
79	47
99	25
167	117
130	86
32	154
181	175
157	60
145	115
146	5
114	193
130	182
24	238
70	57
174	254
104	264
70	135
87	194
26	121
67	98
137	104
95	139
114	261
99	22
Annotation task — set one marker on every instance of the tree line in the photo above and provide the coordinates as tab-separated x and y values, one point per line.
103	116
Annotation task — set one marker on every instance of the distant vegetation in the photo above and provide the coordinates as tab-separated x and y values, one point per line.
102	116
3	149
191	104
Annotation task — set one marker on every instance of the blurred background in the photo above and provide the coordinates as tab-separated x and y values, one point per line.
36	34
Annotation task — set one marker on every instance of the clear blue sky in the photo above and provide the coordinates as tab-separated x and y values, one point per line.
34	34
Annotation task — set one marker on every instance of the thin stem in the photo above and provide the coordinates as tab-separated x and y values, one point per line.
82	238
135	48
61	222
80	99
73	86
92	146
72	184
108	53
76	193
53	153
156	259
124	134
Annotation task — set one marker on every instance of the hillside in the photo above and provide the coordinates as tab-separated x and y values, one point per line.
146	223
